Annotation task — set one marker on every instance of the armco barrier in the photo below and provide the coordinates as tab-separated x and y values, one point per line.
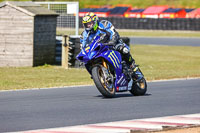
153	24
74	49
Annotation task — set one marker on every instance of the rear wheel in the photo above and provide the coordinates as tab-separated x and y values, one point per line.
104	84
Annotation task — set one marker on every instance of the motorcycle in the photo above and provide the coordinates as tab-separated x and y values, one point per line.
110	73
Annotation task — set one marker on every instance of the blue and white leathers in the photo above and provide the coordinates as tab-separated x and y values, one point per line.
87	36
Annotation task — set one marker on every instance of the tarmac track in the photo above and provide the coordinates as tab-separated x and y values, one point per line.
68	106
172	41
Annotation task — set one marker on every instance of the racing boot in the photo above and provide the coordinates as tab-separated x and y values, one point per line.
134	70
136	74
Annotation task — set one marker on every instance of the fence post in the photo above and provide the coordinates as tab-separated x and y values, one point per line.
65	49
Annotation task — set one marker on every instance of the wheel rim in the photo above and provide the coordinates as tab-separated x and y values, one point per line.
141	84
105	83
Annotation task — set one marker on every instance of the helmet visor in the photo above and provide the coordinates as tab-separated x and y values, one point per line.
89	25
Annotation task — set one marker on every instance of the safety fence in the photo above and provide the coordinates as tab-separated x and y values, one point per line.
70	21
153	24
68	15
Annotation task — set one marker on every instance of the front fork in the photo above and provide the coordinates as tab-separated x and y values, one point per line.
106	71
104	64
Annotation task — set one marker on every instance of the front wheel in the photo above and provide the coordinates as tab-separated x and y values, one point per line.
139	88
105	86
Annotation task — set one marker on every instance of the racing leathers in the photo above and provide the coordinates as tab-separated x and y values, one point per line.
106	27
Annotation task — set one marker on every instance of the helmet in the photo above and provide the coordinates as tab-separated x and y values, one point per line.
90	21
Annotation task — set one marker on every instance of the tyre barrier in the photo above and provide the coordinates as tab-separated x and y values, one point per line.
139	23
152	23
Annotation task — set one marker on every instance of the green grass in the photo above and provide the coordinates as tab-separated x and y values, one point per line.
156	62
147	33
41	77
159	33
166	62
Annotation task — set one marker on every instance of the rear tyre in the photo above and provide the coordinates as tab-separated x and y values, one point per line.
105	88
139	88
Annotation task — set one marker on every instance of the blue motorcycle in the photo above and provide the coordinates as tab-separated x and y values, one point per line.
110	73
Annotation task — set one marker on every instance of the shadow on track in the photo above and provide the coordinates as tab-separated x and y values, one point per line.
123	95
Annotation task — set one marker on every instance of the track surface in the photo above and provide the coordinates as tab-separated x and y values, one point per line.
50	108
166	41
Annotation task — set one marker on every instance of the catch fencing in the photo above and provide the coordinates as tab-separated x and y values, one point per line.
68	19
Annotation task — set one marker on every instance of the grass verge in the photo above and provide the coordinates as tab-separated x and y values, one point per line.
147	33
159	33
156	62
166	62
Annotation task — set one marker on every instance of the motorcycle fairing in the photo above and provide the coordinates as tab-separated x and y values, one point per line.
95	51
114	58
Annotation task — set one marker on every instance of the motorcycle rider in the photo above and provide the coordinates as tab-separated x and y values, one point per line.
93	27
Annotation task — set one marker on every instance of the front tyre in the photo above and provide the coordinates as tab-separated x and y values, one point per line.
106	88
139	88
